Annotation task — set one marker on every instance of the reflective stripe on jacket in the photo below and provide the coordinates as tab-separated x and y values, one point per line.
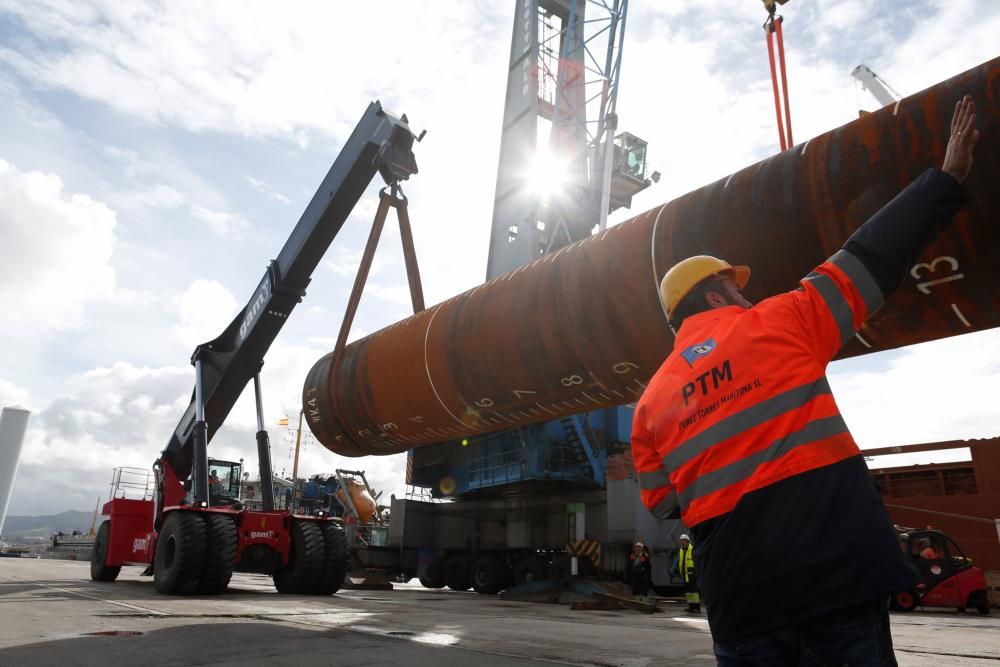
742	402
685	561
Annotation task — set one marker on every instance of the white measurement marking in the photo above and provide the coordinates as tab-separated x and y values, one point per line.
863	341
617	393
521	393
895	109
925	287
544	408
728	179
960	315
534	412
596	381
640	383
623	367
804	147
591	398
605	396
427	366
579	402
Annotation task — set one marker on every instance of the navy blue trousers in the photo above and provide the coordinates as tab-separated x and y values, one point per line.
858	636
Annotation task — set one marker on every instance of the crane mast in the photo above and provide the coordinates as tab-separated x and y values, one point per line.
878	87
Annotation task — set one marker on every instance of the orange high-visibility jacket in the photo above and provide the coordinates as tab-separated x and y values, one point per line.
743	402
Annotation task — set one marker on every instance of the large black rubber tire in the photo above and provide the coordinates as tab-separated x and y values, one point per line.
220	553
433	574
904	601
305	562
98	570
489	575
180	554
530	569
457	573
981	601
335	558
560	568
585	567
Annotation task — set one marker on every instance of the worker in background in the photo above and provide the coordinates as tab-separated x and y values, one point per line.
214	484
639	572
738	434
928	552
685	567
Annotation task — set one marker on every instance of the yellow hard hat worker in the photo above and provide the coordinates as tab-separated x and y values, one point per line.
687	274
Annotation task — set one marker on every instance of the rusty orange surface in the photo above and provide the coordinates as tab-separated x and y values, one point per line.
582	328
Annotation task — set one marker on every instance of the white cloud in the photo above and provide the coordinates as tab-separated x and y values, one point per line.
205	308
11	394
221	223
265	71
264	188
58	245
345	263
160	196
942	390
107	417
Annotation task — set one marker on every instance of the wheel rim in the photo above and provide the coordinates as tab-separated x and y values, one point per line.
904	600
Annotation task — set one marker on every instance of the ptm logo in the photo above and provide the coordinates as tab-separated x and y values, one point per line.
261	534
140	544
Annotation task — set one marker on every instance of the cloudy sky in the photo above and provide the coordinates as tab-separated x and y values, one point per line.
154	157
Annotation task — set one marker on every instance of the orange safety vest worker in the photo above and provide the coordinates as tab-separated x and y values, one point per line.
744	402
738	433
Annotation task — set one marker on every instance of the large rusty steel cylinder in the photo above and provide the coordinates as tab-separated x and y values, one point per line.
583	328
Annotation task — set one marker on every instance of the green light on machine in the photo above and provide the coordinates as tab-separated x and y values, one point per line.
465	442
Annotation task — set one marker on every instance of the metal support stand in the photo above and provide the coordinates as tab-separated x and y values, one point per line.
199	473
263	452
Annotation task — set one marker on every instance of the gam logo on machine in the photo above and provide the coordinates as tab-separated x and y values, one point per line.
262	535
256	305
140	544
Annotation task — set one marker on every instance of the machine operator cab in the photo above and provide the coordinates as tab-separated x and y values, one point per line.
628	170
223	483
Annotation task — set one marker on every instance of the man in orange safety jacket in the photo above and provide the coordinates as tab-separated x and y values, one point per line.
738	435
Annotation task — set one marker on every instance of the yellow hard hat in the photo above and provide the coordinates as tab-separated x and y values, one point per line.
684	275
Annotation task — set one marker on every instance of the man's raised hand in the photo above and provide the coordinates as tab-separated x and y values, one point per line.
964	135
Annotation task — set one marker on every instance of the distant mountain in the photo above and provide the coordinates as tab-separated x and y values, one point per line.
43	526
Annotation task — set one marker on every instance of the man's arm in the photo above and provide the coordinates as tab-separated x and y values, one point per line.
890	241
657	494
836	299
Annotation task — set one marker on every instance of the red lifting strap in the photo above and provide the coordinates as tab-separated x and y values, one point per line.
772	27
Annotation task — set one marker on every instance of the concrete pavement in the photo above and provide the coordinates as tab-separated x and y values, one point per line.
50	610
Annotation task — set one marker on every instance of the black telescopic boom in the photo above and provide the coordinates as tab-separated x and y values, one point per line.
380	143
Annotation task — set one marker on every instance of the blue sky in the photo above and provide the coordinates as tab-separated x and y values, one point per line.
156	155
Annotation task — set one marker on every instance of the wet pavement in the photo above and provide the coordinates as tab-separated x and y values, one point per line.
52	614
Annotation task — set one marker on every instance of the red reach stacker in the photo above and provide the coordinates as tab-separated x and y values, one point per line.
190	536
